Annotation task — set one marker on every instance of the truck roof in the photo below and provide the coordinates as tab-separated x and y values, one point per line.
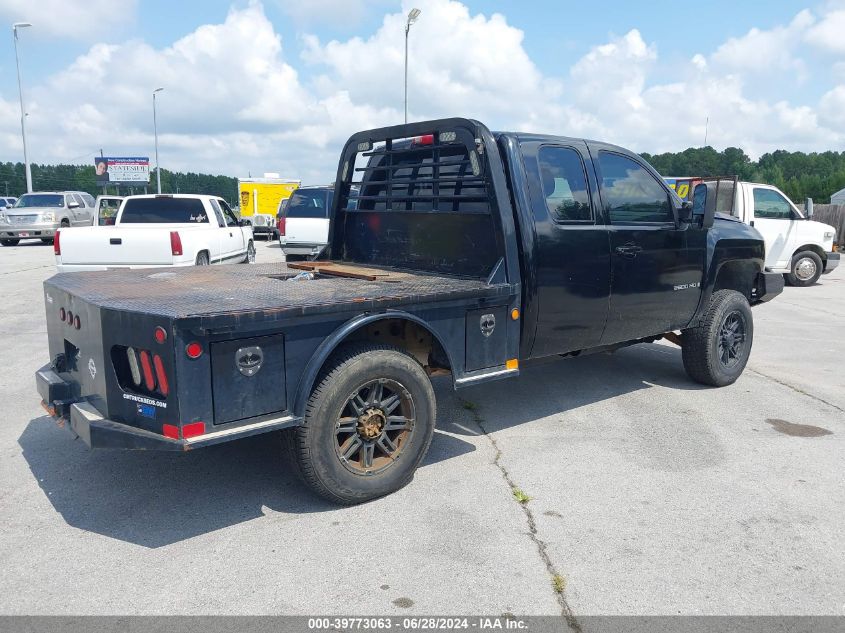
192	196
536	137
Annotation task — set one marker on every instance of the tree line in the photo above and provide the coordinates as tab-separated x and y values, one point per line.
799	175
81	178
816	175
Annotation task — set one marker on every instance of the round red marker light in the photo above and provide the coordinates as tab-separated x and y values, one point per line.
62	314
160	335
69	317
76	322
193	350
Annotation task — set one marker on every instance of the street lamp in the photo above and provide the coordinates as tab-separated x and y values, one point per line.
155	131
15	27
413	14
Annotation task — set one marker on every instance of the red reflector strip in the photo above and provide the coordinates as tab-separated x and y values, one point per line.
163	387
147	369
171	431
193	429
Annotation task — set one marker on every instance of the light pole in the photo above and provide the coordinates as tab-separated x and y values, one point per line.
15	27
155	131
413	14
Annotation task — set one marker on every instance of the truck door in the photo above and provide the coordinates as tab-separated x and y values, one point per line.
775	219
572	252
656	267
231	235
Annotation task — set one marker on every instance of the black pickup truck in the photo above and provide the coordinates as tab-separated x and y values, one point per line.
452	250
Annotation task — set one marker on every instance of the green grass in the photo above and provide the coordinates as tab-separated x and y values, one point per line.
558	583
520	496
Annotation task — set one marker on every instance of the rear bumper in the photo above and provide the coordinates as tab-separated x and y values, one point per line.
831	262
768	286
76	268
298	248
84	421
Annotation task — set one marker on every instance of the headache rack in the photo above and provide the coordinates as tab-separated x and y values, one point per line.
420	196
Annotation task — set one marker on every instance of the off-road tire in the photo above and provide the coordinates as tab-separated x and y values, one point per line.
700	345
202	259
802	262
312	446
10	242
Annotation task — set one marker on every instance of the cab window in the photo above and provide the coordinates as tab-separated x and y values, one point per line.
564	184
631	194
769	204
228	214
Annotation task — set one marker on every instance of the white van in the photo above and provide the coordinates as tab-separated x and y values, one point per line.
796	246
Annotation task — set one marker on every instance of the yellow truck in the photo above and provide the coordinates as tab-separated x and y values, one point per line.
260	199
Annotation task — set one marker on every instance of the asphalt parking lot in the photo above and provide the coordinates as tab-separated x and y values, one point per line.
649	494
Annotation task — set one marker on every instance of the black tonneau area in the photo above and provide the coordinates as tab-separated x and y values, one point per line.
219	290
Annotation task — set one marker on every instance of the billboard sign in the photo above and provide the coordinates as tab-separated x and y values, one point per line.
130	170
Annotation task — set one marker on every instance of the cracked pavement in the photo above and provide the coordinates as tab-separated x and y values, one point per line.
649	494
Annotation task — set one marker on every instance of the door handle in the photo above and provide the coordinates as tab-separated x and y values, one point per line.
230	235
629	250
115	240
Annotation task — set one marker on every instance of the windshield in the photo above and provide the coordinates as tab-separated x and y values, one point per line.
40	200
307	203
164	211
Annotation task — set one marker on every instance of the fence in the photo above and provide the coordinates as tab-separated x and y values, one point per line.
833	214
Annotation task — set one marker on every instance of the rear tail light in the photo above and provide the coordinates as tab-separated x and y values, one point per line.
133	365
77	323
425	139
160	335
69	317
193	350
281	224
147	369
161	376
62	314
57	249
175	243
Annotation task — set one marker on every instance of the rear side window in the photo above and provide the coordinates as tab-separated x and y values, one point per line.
564	184
80	200
307	204
631	194
164	211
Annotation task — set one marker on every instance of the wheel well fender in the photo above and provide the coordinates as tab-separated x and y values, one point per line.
343	334
815	248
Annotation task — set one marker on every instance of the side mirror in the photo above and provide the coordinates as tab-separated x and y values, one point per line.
73	205
808	208
243	223
685	212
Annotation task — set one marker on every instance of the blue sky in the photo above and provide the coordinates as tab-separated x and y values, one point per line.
277	85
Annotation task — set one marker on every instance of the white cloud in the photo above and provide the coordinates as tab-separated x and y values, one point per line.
235	101
766	50
829	33
76	19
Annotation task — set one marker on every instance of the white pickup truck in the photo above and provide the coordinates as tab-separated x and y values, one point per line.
158	230
800	248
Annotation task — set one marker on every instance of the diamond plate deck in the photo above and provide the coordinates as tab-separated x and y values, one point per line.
236	289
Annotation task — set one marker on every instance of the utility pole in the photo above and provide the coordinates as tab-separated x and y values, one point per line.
105	191
706	126
413	14
155	131
15	27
